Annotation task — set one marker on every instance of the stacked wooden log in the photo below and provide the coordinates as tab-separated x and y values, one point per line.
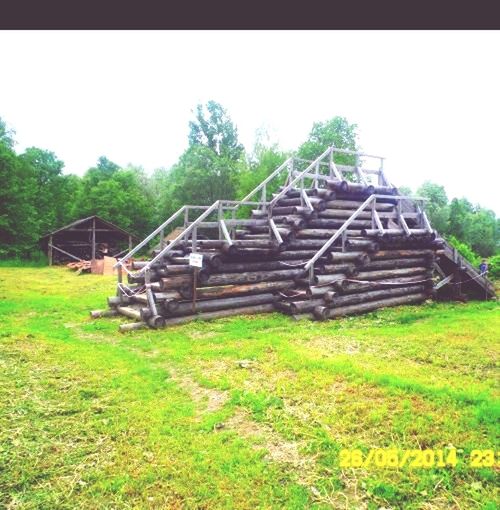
255	273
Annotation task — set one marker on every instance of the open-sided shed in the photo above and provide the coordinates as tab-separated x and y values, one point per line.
86	239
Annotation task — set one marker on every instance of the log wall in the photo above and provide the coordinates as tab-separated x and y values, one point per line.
256	274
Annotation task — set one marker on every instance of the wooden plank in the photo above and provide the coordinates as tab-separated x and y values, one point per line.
444	281
66	253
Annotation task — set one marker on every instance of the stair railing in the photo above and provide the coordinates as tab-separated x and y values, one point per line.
370	201
298	178
151	236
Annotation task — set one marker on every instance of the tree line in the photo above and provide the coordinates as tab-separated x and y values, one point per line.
37	197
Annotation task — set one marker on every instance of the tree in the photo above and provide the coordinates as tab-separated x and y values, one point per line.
49	192
338	132
263	161
483	234
436	206
201	177
120	198
459	221
18	221
105	169
214	129
6	135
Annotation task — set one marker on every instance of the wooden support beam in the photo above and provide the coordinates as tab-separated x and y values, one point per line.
444	281
225	232
275	231
50	251
306	200
53	246
378	223
93	239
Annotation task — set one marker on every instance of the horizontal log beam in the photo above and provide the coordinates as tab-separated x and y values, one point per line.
369	306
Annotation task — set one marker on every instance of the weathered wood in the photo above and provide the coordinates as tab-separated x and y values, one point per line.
399	254
390	273
296	254
316	202
348	269
305	306
321	280
227	248
129	312
347	256
236	290
331	313
354	204
363	297
350	286
156	321
322	233
311	192
243	267
114	301
50	251
306	244
253	277
362	244
336	223
93	239
316	292
351	187
283	307
295	209
395	232
96	314
212	305
396	263
173	282
247	310
134	326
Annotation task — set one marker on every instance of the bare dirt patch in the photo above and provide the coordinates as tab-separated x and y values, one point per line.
211	398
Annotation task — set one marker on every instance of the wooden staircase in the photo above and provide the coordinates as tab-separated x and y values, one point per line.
329	241
459	279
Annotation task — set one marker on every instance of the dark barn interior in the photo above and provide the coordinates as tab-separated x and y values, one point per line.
86	239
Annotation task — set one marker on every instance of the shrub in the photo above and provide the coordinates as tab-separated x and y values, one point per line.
465	250
494	266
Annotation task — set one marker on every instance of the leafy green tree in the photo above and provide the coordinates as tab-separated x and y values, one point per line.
263	161
483	234
338	132
6	135
460	215
18	221
201	177
213	128
49	193
437	205
105	169
120	198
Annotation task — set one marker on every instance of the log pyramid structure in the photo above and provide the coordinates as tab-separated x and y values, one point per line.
331	240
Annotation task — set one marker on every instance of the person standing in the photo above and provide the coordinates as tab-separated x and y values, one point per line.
483	267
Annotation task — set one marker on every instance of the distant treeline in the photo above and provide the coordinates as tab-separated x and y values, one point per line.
36	197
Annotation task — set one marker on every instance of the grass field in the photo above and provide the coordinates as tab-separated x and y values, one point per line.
244	413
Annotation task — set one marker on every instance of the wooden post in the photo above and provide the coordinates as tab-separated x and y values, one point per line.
93	240
50	251
195	284
130	242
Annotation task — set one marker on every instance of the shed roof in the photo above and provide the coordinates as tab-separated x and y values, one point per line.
83	220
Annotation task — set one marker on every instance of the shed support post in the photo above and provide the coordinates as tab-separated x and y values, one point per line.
130	243
50	251
93	239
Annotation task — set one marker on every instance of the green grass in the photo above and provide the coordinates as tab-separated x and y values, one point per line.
90	418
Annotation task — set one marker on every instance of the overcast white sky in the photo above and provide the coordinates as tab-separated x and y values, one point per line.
428	101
